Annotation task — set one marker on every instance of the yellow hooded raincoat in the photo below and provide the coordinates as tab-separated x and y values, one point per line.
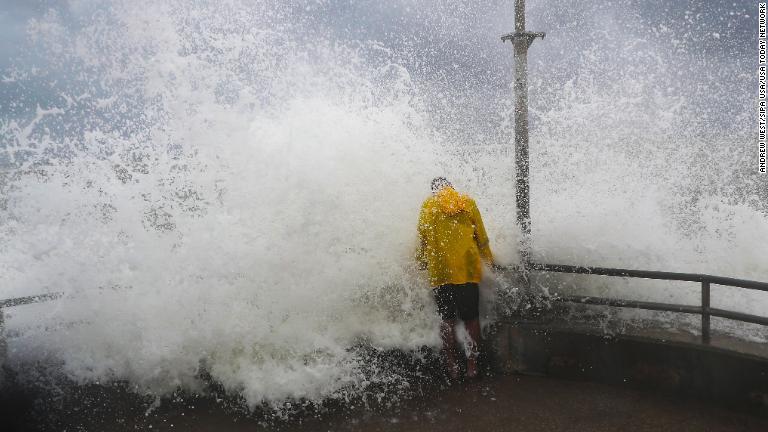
452	239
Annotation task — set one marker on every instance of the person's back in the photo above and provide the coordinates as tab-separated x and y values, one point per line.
452	246
453	238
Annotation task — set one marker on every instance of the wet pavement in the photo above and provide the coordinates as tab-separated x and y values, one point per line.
505	403
523	403
496	403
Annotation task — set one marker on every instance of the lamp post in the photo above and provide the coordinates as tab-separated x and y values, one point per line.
521	41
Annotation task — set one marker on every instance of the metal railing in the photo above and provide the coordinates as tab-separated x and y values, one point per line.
705	310
19	301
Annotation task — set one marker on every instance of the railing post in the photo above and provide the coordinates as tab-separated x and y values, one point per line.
705	336
521	41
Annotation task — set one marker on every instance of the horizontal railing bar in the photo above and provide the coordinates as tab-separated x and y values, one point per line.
741	283
19	301
602	301
738	316
648	274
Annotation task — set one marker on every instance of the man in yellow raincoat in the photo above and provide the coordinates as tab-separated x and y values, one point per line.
452	247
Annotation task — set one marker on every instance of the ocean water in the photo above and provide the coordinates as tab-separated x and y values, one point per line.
236	184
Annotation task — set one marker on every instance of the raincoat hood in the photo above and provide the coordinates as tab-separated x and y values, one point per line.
451	202
453	243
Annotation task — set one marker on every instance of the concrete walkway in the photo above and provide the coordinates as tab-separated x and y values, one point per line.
510	403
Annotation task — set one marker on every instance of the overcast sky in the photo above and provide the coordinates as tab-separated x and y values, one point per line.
456	42
732	20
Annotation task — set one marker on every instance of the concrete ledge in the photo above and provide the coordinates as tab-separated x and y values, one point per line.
3	347
736	380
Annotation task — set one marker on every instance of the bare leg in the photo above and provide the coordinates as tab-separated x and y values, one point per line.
473	328
448	334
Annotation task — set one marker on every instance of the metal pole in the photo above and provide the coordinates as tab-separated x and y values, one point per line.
705	335
521	131
521	40
519	16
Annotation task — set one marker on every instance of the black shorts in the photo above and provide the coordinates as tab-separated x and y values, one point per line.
463	298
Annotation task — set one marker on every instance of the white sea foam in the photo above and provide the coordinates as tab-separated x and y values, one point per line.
232	184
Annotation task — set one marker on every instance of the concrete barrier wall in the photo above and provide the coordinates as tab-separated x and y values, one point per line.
731	379
3	346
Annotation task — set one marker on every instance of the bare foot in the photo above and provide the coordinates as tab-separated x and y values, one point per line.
453	372
471	368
